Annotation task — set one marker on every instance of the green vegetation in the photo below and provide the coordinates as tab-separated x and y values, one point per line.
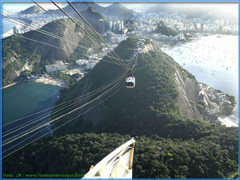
167	143
19	52
92	16
67	78
155	157
32	10
116	9
56	28
166	31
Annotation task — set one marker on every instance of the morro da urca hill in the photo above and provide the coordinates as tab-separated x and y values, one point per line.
21	54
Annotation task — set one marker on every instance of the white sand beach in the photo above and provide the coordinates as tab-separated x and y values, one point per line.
53	81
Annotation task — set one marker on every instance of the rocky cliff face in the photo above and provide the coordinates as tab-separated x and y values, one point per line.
200	101
188	95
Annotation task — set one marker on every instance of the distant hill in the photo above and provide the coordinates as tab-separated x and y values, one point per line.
92	16
165	31
21	55
193	10
116	9
31	10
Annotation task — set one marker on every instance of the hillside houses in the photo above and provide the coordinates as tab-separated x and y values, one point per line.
58	66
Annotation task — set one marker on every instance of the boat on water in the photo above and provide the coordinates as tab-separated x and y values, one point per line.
118	164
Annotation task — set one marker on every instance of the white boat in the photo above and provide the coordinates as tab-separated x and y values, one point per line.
118	164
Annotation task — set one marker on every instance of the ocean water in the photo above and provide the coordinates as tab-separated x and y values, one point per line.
22	100
7	26
213	60
25	98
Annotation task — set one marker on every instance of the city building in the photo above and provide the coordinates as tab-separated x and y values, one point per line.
101	26
110	25
58	66
81	62
114	26
51	68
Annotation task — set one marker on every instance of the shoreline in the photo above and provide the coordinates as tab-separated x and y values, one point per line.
44	80
230	120
9	85
52	81
7	34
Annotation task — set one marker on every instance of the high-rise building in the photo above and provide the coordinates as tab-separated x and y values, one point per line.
202	27
122	25
101	26
119	27
110	25
114	26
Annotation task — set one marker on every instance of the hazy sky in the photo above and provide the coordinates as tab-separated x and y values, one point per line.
227	7
16	7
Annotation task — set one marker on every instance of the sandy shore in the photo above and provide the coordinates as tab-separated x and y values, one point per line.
45	80
228	121
9	85
6	34
49	80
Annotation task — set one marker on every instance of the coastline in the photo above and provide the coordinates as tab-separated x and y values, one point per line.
7	34
9	85
44	80
230	120
52	81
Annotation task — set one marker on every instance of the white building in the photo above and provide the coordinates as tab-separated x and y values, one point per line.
122	24
110	25
119	26
61	67
59	62
114	26
58	66
51	68
81	62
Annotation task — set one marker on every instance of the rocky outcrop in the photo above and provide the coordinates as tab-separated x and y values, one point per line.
200	101
188	95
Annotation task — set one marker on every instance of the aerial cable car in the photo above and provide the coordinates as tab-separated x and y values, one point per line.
130	80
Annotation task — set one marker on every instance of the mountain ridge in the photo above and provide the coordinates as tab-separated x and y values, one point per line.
165	93
31	10
115	9
33	56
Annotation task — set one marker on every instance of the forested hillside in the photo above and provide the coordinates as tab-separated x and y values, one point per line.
21	54
154	156
168	144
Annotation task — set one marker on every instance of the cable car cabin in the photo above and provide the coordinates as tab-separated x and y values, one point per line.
130	82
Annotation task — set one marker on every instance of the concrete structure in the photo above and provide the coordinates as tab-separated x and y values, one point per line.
81	62
114	26
110	25
58	66
51	68
101	26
